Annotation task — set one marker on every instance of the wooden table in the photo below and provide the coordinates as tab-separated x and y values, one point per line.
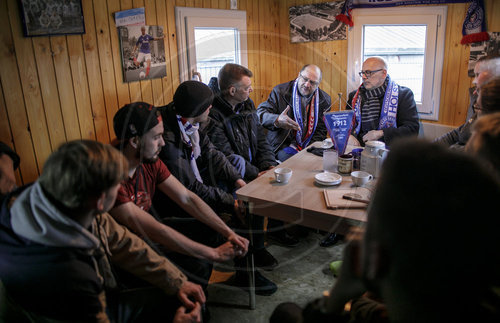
300	201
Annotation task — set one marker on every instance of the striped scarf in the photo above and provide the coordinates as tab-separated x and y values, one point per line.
191	137
373	115
370	113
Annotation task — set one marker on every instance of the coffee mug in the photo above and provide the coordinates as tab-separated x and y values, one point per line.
282	175
360	178
345	164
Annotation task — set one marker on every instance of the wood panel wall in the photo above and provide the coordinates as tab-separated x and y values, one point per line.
56	89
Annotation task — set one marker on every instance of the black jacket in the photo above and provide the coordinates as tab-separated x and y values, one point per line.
406	117
240	133
269	110
212	164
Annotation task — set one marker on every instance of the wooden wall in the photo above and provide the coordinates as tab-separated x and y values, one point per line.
55	89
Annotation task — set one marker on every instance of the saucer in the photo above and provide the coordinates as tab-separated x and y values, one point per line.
328	179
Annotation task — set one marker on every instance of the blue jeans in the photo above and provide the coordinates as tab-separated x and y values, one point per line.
238	162
282	155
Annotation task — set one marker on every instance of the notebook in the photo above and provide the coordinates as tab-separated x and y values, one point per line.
334	200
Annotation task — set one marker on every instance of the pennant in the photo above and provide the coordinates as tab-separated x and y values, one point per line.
474	28
345	15
339	126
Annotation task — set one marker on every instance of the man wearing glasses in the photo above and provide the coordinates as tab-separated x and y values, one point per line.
485	69
383	110
293	113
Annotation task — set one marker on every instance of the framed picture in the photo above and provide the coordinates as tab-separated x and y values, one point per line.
51	17
316	22
143	52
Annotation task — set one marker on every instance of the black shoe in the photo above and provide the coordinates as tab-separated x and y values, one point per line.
330	240
283	238
298	231
263	286
264	260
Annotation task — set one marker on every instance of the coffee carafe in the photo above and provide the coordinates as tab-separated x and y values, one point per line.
372	157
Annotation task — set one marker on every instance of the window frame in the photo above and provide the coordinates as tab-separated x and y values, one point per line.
187	18
434	17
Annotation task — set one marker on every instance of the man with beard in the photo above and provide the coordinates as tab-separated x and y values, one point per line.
293	113
190	155
293	116
139	128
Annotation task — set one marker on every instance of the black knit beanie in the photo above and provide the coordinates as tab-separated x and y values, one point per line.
192	98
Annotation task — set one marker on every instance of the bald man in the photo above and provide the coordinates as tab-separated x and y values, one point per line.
293	113
383	109
486	68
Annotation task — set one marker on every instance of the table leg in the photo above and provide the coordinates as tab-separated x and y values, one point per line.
250	261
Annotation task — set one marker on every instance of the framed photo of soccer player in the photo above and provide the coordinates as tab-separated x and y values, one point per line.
51	17
143	52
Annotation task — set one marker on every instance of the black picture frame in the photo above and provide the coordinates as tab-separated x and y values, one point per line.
51	17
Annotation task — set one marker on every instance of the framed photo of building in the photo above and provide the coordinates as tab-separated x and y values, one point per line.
51	17
143	52
316	22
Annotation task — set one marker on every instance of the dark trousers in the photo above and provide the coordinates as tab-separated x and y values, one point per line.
146	304
197	270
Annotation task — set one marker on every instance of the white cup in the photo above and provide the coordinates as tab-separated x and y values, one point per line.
282	175
330	161
360	178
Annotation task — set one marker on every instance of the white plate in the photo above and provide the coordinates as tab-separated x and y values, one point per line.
328	178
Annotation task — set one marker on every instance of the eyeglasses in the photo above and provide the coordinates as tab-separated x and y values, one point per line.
313	83
369	73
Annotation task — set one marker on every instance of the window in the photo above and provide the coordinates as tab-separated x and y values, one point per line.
411	40
208	39
210	58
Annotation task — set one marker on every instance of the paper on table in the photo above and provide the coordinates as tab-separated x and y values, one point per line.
334	200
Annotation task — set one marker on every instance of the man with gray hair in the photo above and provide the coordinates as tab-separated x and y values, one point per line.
486	68
383	110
